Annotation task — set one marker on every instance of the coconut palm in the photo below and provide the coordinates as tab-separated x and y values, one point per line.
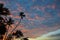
21	15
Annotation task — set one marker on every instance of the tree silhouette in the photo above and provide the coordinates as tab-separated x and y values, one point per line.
21	15
10	21
4	11
25	38
2	29
2	25
18	34
1	20
1	5
4	21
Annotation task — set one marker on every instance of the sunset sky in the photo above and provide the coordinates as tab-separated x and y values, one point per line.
42	16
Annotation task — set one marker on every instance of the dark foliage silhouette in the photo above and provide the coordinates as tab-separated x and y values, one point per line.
10	21
2	29
18	34
1	5
4	21
21	15
1	20
25	38
4	11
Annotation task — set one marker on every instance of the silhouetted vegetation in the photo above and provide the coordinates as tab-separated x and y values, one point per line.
4	21
25	38
21	15
2	29
18	34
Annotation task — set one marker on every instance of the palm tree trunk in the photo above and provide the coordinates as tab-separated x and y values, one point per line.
16	26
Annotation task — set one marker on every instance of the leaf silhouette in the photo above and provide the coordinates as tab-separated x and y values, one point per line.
4	11
10	21
2	29
1	19
1	5
25	38
21	15
18	34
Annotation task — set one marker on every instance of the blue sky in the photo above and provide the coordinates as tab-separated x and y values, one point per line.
42	16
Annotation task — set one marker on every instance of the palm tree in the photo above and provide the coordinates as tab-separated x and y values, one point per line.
21	15
25	38
4	22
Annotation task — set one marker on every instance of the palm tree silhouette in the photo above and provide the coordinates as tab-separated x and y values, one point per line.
21	15
4	22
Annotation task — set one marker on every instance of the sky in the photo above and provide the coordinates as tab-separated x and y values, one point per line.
55	35
42	16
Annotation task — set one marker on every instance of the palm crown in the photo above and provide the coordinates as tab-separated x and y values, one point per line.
21	15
